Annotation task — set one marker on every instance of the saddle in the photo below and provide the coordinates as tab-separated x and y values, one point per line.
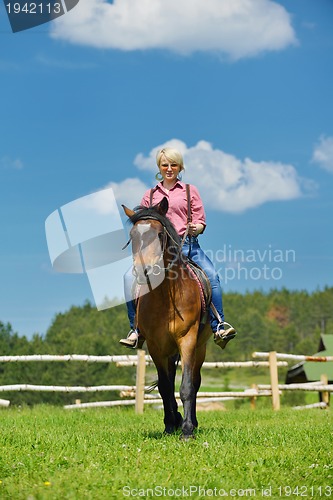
204	286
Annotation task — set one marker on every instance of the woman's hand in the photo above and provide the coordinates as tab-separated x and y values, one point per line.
195	229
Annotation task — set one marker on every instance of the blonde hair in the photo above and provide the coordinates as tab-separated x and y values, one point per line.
171	154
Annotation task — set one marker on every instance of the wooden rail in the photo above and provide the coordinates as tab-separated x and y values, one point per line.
141	359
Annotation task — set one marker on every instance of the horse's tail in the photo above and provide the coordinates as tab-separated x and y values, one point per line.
176	360
152	387
154	384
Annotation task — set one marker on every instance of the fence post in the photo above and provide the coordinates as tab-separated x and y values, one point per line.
253	398
140	381
273	369
325	396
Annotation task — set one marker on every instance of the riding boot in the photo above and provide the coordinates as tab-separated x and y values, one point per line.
222	336
136	342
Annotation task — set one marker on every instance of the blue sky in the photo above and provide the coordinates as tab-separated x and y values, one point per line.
243	88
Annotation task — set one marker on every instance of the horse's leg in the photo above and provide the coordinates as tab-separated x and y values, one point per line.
166	370
173	361
199	359
189	384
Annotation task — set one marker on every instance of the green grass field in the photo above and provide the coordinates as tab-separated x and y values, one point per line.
52	453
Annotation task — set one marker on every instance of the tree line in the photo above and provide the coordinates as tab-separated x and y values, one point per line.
280	320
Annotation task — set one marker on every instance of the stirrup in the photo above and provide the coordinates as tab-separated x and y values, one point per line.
222	336
136	343
131	343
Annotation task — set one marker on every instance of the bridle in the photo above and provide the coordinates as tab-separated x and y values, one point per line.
165	237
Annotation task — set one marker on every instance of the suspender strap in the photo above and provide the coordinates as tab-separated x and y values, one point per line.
151	196
189	211
189	216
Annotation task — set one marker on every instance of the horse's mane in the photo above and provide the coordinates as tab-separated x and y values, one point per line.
143	213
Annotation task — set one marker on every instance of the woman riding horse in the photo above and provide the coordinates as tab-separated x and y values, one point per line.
170	164
170	314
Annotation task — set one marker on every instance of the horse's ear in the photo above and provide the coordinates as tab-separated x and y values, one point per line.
163	206
128	211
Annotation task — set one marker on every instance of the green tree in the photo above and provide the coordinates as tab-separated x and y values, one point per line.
280	320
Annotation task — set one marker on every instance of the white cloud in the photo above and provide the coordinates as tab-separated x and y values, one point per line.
229	184
128	192
237	28
323	153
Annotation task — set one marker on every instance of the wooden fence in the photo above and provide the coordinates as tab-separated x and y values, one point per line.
137	393
276	388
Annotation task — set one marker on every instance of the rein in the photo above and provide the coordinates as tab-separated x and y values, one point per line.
179	247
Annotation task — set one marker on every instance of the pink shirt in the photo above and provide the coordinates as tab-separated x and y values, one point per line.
177	199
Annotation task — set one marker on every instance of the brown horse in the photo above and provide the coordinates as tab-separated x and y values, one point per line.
168	312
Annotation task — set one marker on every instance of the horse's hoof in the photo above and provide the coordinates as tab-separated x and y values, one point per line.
169	430
179	420
187	437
